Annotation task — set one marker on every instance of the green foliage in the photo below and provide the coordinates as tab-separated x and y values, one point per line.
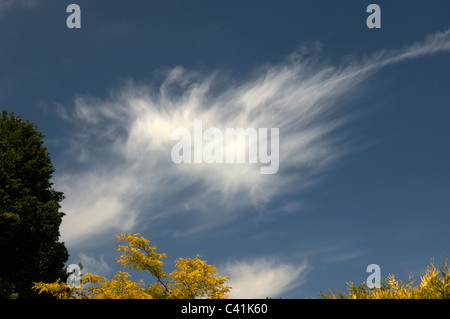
434	284
29	210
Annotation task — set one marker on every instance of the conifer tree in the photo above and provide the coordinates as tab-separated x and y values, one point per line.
29	210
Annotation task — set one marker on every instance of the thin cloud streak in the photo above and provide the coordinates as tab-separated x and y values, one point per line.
263	277
123	142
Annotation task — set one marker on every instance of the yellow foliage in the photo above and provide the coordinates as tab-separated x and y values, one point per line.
434	284
139	255
58	289
120	287
195	278
192	278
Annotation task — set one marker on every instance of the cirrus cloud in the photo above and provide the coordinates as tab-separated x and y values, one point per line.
122	175
263	277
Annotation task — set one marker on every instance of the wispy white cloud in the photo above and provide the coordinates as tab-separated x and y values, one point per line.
94	265
263	277
95	203
122	143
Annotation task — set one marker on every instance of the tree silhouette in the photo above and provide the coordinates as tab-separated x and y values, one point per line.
29	210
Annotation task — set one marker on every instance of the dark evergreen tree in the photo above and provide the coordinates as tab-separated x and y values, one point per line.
29	211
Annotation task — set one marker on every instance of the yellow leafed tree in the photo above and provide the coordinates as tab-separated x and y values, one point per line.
434	284
192	278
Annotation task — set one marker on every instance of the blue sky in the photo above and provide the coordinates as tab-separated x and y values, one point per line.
363	117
